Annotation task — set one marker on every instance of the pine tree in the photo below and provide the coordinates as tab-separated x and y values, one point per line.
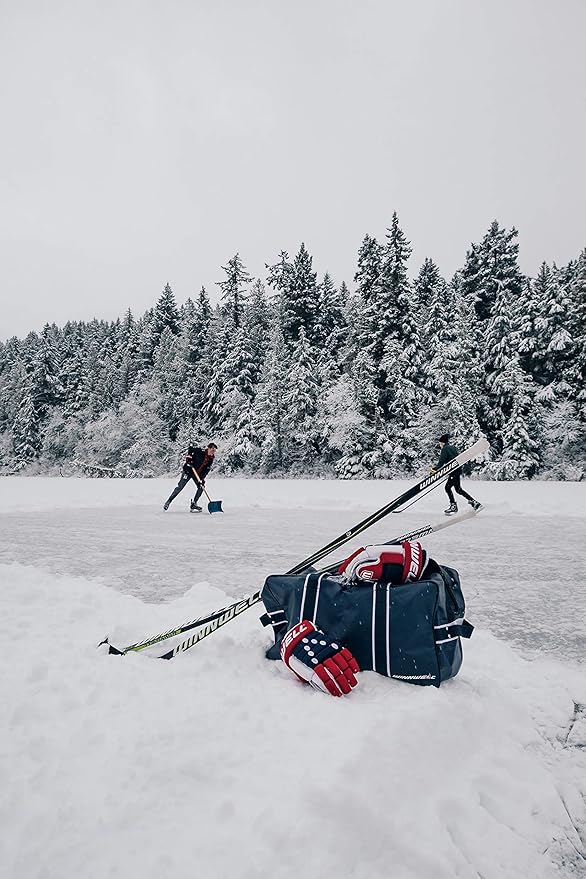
194	364
239	380
509	387
167	378
331	329
301	405
209	410
470	277
233	289
564	455
75	380
497	266
127	357
269	405
279	279
165	316
257	319
368	273
520	457
434	303
196	327
526	318
46	389
451	375
577	328
554	346
26	430
239	438
299	302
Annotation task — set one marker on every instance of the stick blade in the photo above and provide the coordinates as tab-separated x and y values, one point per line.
112	651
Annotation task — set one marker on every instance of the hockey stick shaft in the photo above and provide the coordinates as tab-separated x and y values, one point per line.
423	531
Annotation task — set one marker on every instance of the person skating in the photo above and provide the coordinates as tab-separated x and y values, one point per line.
448	453
200	460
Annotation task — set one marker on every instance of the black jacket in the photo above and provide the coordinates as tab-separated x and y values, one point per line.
200	460
448	453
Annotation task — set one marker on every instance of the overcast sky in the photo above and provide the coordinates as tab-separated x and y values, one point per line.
145	142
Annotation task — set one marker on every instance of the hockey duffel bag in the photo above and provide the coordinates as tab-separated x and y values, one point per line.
410	632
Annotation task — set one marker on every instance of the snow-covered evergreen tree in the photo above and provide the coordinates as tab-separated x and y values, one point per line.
269	405
494	265
257	320
234	292
26	429
576	374
167	378
165	316
554	346
509	412
331	329
301	397
236	404
299	301
46	389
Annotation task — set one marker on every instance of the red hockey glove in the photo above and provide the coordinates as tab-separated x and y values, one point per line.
389	563
312	657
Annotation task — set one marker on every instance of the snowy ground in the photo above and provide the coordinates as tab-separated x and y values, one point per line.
218	764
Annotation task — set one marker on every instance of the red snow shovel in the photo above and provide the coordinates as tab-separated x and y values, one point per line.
213	506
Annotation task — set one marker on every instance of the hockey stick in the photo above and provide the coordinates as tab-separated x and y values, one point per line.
423	531
228	613
419	488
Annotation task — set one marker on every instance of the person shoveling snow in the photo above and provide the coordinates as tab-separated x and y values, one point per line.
198	463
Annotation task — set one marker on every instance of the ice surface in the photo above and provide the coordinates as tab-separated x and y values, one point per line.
521	562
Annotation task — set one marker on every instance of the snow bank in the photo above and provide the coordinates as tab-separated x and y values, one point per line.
218	764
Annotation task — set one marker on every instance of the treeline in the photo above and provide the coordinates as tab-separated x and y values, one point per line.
298	375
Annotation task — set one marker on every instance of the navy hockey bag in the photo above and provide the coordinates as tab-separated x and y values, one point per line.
410	632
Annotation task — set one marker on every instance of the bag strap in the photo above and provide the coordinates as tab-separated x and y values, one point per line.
460	628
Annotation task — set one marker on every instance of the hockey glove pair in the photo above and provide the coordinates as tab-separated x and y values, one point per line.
389	563
322	663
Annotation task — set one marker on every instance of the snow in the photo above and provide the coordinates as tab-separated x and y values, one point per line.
219	763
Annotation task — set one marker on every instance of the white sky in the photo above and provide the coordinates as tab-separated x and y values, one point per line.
145	142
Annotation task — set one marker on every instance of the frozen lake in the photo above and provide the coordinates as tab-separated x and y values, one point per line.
521	560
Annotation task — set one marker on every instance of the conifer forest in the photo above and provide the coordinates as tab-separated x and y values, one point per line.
299	375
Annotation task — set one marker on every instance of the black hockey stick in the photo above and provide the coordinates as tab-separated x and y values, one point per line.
415	534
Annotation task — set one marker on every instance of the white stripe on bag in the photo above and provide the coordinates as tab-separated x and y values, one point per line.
317	598
388	630
303	598
373	626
